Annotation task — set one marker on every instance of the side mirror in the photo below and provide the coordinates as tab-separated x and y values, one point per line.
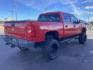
77	22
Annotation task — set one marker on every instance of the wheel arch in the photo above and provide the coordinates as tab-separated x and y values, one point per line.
84	29
55	34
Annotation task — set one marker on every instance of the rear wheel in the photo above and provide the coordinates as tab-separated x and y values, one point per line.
51	48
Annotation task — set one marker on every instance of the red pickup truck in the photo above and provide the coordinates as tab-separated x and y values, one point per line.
46	32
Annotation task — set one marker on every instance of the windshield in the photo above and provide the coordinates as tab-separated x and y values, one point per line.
49	18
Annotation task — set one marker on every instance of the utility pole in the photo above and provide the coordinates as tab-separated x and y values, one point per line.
88	17
88	12
14	8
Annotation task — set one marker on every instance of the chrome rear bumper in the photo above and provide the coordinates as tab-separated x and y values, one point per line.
18	42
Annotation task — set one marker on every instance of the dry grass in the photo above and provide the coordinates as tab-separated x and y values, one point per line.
1	28
90	30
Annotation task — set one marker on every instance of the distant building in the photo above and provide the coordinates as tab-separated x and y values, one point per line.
91	22
6	19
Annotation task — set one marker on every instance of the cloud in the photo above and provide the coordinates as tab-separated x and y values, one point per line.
41	5
88	12
37	4
72	4
86	1
68	1
89	7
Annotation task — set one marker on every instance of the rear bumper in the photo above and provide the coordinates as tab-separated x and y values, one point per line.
18	42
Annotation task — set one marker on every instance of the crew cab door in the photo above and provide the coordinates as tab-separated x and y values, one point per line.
68	25
76	25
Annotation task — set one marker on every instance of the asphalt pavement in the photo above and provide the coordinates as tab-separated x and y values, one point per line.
72	56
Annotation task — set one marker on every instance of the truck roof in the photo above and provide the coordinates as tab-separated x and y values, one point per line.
58	12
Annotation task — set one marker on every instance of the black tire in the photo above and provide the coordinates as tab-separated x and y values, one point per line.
82	38
23	49
51	48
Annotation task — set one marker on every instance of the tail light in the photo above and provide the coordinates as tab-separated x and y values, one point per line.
29	29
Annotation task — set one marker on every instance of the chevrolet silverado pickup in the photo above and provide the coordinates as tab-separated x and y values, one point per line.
46	32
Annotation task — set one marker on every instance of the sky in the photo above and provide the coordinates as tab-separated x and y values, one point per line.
30	9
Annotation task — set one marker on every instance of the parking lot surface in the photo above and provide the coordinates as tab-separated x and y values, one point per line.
72	56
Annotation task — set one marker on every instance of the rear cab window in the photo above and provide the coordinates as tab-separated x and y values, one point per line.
49	18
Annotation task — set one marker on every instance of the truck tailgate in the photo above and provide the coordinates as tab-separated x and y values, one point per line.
16	29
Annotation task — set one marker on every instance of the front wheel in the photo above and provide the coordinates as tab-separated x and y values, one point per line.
82	38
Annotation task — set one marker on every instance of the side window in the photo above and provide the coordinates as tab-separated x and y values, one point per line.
66	18
73	19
